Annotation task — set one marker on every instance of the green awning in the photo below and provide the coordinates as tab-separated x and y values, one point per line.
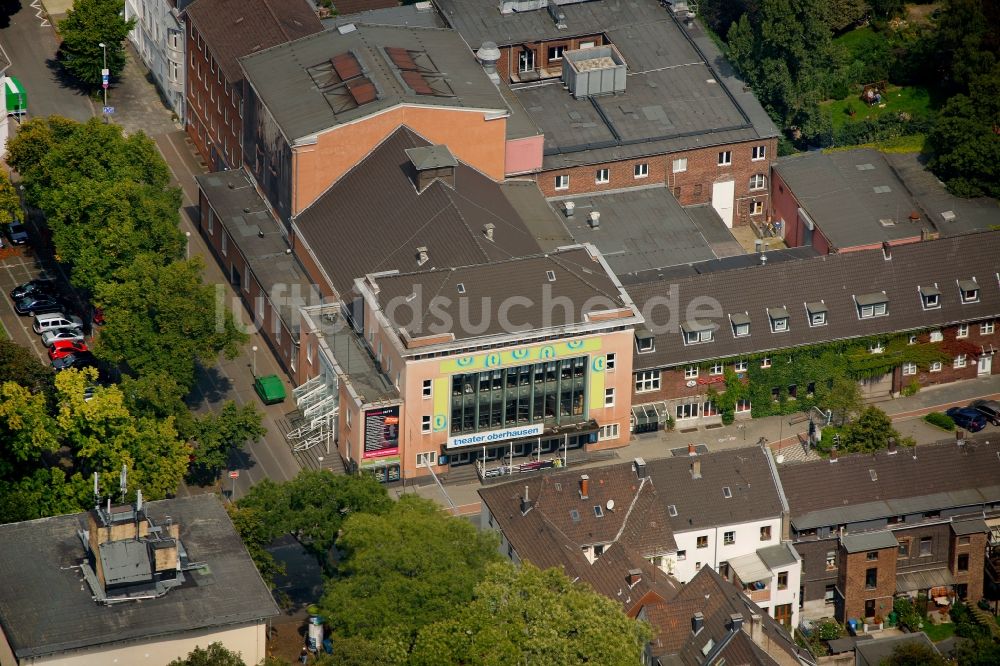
270	389
17	98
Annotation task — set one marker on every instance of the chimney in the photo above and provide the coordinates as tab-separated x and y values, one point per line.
640	468
696	469
569	207
756	630
488	55
430	163
595	219
691	450
735	622
697	622
634	576
886	250
526	503
892	446
584	485
488	229
960	437
833	455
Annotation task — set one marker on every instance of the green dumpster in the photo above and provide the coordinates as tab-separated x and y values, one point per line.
270	389
17	98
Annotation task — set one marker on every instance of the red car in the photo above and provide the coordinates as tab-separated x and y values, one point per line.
61	348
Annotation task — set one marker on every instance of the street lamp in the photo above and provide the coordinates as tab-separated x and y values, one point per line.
253	362
187	248
104	72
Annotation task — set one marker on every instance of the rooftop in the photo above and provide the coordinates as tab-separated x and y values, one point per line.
356	70
235	28
877	651
856	543
246	216
939	476
356	6
855	197
421	15
644	229
377	206
836	280
457	304
47	607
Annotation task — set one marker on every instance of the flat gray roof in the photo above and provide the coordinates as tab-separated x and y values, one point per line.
645	228
297	83
404	15
352	356
856	543
875	652
780	555
854	197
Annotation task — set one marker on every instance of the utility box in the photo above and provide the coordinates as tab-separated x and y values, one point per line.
595	71
270	389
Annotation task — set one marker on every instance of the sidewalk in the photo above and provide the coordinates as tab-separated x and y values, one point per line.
781	437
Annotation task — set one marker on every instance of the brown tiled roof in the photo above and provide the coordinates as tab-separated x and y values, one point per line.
378	208
354	6
701	503
835	279
942	475
236	28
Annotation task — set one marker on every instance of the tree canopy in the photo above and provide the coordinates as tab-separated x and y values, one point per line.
215	654
524	615
87	25
914	653
18	364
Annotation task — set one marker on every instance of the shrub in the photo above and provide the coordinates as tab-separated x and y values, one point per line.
907	614
912	388
940	420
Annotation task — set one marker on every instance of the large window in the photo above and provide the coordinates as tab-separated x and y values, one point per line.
871	578
551	392
926	546
647	380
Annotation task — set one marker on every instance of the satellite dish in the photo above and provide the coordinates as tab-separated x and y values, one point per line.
779	459
610	505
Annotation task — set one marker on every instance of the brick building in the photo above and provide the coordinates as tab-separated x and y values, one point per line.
942	295
219	32
679	117
899	522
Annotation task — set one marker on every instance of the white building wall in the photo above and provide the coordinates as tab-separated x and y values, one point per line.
158	37
746	541
247	639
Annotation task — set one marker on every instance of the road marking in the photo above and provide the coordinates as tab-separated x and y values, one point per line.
40	14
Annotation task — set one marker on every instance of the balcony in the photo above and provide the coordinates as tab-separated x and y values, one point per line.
757	595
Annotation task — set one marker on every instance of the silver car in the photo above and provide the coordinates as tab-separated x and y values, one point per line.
49	338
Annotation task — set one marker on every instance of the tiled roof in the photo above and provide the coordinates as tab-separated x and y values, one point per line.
235	28
701	503
929	477
377	206
355	6
834	279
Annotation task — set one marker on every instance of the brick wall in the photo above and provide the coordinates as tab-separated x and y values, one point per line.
214	118
509	62
815	574
970	345
851	581
972	578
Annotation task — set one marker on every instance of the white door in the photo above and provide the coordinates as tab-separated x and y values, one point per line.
985	364
722	200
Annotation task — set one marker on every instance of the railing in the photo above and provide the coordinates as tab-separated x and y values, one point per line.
503	469
759	595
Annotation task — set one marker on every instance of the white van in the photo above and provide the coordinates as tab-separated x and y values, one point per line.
55	320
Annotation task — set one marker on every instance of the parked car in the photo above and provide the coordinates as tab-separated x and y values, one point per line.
17	233
969	419
77	360
988	408
37	286
38	303
55	321
65	347
49	338
98	317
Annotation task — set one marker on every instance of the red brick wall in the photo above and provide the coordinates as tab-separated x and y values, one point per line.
948	373
509	55
214	120
851	582
973	578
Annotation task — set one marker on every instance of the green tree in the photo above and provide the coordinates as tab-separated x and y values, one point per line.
404	569
980	651
524	615
26	428
164	319
842	398
870	431
19	365
10	202
215	435
915	653
251	527
215	654
86	26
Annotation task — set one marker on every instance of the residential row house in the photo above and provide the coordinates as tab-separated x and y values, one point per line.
159	36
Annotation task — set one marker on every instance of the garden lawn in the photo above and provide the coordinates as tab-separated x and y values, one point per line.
938	632
914	100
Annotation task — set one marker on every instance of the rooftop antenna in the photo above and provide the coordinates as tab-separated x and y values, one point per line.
138	500
97	490
123	481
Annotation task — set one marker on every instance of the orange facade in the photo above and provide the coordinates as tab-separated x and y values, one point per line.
475	137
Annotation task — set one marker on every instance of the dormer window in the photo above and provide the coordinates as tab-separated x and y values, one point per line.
817	313
872	305
741	324
644	341
930	297
969	290
779	319
696	333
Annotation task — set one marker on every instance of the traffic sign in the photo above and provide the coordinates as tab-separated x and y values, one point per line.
235	474
105	77
109	110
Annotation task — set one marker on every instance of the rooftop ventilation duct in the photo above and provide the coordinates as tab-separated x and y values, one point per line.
596	71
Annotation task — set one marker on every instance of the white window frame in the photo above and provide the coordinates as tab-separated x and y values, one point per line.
912	339
875	348
562	182
935	366
225	244
960	361
602	176
647	380
698	337
743	406
758	181
758	153
526	60
937	336
646	345
716	369
779	325
930	301
609	397
765	363
641	170
427	389
974	298
756	207
608	431
680	165
729	538
425	457
963	331
691	372
688	410
211	222
741	330
725	158
987	328
425	424
741	366
556	52
909	368
609	362
817	319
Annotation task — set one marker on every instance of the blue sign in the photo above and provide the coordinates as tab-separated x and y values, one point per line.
109	110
